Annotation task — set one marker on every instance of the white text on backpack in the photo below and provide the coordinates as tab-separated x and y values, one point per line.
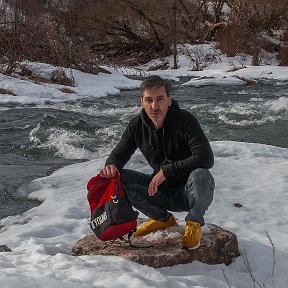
98	220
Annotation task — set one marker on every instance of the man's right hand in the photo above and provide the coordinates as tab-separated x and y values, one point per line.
108	171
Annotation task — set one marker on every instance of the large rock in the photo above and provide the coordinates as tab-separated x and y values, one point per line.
4	248
217	246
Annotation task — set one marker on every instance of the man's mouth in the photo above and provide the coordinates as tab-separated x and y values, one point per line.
155	111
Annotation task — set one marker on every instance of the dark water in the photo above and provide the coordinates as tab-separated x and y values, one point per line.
37	140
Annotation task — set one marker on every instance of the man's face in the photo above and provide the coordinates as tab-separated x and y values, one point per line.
156	102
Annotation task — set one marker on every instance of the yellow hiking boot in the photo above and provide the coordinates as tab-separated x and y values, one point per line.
192	236
155	225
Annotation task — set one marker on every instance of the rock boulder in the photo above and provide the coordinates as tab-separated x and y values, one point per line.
4	248
217	246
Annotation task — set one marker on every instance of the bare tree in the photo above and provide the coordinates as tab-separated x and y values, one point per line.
74	33
248	21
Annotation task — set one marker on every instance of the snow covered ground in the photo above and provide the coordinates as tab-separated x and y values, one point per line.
86	85
221	71
253	175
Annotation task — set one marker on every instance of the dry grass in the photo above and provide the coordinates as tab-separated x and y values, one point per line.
256	283
6	91
39	80
59	76
67	90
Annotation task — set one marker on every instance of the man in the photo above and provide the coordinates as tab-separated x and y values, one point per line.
175	146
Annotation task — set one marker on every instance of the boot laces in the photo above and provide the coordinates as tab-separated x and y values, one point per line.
190	229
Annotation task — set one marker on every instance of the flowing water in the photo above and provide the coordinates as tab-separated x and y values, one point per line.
36	140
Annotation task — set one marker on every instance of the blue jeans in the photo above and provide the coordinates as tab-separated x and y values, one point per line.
194	196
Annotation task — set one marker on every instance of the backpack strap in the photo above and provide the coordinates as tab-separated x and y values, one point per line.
136	246
128	240
116	185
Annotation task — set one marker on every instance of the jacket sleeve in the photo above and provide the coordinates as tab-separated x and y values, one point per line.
201	152
123	151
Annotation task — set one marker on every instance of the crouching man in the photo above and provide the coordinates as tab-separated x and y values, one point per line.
177	149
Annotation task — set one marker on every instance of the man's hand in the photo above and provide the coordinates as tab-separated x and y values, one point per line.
155	182
108	171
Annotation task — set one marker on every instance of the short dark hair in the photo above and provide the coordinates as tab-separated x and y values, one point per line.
155	82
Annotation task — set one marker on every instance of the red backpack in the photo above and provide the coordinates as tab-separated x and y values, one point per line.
112	215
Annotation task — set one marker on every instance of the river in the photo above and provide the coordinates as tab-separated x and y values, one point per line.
35	140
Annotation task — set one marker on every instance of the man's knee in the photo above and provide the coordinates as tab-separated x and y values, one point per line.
200	186
201	177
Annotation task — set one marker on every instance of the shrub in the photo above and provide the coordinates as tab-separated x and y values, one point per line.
6	91
283	56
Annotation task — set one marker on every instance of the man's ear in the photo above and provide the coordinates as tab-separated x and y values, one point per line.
141	102
170	100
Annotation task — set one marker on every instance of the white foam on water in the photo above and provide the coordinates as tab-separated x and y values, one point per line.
32	135
68	143
65	143
248	113
107	132
245	122
197	106
93	110
255	112
278	106
4	109
256	99
245	92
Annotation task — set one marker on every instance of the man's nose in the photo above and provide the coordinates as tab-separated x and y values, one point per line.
154	105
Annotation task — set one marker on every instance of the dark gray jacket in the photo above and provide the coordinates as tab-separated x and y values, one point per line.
178	148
